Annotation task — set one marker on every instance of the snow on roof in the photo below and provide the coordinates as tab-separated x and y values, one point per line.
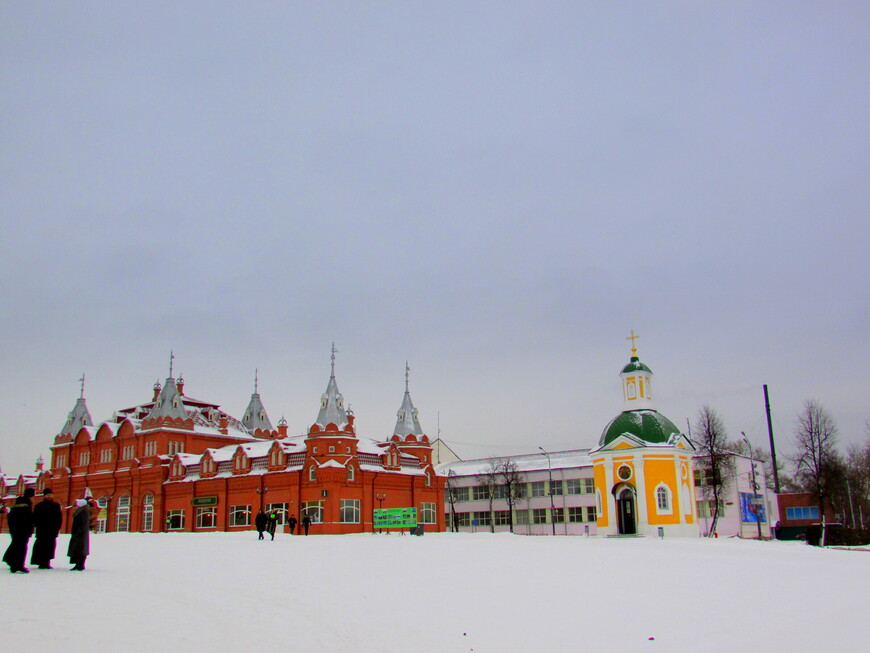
332	463
525	463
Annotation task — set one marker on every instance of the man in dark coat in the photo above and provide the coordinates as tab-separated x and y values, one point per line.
292	524
306	522
79	536
260	523
271	523
20	529
47	519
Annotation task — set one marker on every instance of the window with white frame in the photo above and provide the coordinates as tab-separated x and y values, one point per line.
349	511
122	514
463	519
281	510
499	492
312	473
522	517
591	513
240	515
85	458
106	455
175	520
573	485
128	452
556	488
588	485
314	510
558	515
427	513
537	489
663	500
350	473
103	503
151	448
61	460
502	517
481	493
539	516
483	518
206	517
147	513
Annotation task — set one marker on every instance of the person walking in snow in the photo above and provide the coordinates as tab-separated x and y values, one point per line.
306	522
20	529
47	519
79	540
292	524
271	523
260	523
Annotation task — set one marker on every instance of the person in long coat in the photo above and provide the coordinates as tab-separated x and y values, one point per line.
272	523
260	523
306	522
47	519
292	524
79	540
20	523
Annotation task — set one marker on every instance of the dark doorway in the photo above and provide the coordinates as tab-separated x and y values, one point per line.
625	510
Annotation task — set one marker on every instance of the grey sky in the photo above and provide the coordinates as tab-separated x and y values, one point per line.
496	192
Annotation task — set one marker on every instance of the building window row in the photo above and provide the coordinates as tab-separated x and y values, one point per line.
802	512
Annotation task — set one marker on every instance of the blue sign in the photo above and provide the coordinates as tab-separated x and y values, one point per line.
752	508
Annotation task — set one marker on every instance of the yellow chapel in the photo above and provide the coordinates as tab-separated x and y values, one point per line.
642	466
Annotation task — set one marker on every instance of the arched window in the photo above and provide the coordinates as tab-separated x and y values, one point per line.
312	473
663	500
428	479
147	513
350	473
122	514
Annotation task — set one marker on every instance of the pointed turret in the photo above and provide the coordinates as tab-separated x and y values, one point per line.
636	381
407	422
78	416
332	410
169	403
255	418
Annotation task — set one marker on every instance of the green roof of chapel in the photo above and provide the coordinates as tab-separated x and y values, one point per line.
647	425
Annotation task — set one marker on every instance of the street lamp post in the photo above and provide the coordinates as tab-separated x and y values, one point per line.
380	499
262	492
754	485
550	489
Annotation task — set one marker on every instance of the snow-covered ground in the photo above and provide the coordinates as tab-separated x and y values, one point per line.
441	592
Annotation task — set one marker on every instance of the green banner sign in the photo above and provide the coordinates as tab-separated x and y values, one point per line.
204	501
395	517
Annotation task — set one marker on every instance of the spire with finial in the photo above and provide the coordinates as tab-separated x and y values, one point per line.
633	337
168	402
79	415
255	417
332	410
407	422
171	360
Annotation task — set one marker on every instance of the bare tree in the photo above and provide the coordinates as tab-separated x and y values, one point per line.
815	458
513	485
714	459
487	480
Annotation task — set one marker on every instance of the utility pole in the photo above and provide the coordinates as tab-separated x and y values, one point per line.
550	489
770	437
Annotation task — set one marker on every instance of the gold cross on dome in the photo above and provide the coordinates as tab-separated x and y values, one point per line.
633	337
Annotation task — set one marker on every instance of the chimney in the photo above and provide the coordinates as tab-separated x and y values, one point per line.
180	385
282	428
40	464
223	424
156	391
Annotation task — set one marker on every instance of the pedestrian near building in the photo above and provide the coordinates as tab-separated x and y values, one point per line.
271	523
47	520
292	524
306	522
260	523
20	522
79	540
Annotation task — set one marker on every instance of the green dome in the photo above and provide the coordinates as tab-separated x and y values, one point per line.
648	425
635	366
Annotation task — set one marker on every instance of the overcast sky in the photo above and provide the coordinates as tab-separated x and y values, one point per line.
497	193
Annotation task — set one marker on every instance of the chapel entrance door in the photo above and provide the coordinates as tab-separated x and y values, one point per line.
625	510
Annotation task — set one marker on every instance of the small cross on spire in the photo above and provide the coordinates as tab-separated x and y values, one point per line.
171	359
407	373
256	380
332	369
82	395
633	337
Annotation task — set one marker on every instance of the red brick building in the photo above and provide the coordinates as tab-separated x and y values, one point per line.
176	463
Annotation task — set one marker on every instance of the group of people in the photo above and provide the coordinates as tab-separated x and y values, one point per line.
45	519
267	523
